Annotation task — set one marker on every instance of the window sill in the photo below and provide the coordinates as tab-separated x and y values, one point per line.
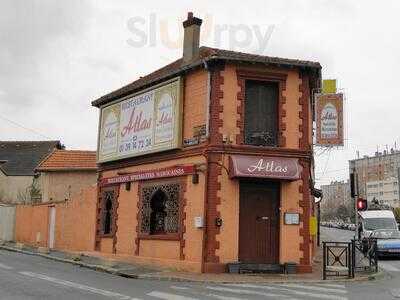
108	235
166	237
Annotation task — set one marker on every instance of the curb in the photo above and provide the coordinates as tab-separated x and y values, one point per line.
378	275
73	262
155	276
297	281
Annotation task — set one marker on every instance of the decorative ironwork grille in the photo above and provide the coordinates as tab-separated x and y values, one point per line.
171	219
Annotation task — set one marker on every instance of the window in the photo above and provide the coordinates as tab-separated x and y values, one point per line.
160	208
158	214
108	211
261	113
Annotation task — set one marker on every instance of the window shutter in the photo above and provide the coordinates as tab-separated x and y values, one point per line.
261	113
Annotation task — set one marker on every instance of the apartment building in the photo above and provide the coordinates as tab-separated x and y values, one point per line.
376	169
336	194
385	191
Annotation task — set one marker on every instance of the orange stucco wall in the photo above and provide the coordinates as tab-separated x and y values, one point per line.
161	252
31	224
292	108
194	102
75	221
61	186
230	104
229	232
290	234
74	226
168	253
228	237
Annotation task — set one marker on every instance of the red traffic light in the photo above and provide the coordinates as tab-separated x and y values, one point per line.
362	204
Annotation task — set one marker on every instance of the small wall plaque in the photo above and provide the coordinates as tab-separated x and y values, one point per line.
199	131
292	218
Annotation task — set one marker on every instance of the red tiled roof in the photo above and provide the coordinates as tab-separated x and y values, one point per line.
63	160
206	54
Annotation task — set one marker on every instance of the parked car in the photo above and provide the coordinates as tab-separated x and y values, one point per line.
388	242
352	227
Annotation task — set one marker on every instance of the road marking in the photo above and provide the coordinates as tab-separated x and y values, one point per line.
179	287
395	293
315	288
242	291
308	294
168	296
78	286
3	266
331	285
223	297
388	267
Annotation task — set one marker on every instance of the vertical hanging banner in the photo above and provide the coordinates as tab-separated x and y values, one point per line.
329	119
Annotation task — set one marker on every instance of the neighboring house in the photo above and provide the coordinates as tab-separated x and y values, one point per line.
207	161
63	174
18	160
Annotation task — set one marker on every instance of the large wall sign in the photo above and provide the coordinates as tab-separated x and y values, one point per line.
329	118
144	123
264	167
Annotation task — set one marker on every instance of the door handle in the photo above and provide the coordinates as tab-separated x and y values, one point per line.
263	218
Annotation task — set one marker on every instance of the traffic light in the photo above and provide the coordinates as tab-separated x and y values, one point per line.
352	186
362	204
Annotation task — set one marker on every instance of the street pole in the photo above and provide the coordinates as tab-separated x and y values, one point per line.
355	205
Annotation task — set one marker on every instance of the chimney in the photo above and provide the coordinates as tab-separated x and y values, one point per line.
191	38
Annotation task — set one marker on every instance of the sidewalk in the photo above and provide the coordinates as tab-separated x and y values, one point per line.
120	265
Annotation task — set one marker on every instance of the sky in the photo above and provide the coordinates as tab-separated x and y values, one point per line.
58	56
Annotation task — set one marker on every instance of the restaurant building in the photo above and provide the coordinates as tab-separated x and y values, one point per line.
208	161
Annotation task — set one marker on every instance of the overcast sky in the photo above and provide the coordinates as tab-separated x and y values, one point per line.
58	56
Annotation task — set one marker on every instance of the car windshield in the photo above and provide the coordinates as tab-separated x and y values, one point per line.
379	223
386	234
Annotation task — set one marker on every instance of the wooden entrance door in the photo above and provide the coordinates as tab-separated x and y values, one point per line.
259	222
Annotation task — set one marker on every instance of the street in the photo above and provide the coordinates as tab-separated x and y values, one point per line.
31	277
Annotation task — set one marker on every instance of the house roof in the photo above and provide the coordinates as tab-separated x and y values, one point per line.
206	54
20	158
69	160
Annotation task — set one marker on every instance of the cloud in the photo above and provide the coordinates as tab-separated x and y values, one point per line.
27	30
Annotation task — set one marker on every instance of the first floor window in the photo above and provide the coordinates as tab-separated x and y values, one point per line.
159	208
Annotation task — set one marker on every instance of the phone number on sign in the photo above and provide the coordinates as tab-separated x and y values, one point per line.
135	144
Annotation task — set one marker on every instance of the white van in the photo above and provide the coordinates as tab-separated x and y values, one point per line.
371	220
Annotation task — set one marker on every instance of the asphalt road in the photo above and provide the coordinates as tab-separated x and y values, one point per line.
31	277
